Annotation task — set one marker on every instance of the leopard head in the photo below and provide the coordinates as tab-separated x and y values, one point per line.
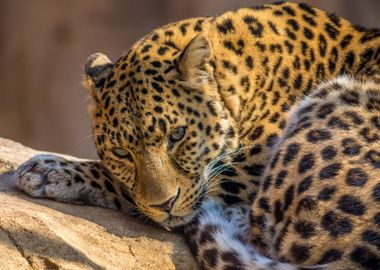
159	124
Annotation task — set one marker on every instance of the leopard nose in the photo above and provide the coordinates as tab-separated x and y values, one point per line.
168	205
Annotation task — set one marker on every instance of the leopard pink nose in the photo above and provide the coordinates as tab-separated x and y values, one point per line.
168	205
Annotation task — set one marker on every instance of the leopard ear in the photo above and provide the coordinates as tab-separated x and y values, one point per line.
98	67
194	58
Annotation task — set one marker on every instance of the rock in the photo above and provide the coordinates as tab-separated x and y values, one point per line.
45	234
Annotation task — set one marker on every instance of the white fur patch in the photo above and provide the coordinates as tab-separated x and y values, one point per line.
226	240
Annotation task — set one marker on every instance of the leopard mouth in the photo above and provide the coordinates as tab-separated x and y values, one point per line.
174	221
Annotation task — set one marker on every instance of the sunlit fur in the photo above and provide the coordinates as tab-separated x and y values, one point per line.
216	77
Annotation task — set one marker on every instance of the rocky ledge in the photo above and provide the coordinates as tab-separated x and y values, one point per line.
44	234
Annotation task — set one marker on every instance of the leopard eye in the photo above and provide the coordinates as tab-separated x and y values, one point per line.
177	135
121	153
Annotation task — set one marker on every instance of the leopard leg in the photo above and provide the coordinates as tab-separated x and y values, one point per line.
218	238
78	182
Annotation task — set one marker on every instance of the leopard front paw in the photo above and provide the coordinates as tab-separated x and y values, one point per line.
34	175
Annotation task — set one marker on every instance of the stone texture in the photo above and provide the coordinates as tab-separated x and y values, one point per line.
44	234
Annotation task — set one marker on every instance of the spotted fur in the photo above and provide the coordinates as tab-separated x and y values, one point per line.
197	108
317	205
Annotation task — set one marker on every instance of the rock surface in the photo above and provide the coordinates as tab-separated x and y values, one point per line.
44	234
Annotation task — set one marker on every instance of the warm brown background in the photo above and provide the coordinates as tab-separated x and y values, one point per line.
44	43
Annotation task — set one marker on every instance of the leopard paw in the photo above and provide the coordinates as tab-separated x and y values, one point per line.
36	174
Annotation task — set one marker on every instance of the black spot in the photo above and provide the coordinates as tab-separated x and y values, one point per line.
162	50
325	110
157	98
331	255
274	118
264	204
350	147
280	178
267	183
279	241
300	252
322	45
369	135
293	23
376	193
338	123
78	179
307	8
329	171
249	62
157	87
321	74
198	25
252	196
95	185
156	64
109	186
208	234
256	149
291	152
255	27
226	26
372	238
150	71
275	160
232	186
278	212
115	122
305	229
308	33
305	184
350	97
351	205
230	256
271	140
329	152
373	157
211	257
236	49
146	48
376	219
365	258
230	199
331	31
317	135
306	163
326	193
257	132
289	195
158	109
370	35
298	82
255	169
95	173
211	108
356	177
289	10
308	203
336	225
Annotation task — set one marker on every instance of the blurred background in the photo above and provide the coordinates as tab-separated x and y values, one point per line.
44	43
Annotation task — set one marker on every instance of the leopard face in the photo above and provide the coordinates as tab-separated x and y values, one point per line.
158	124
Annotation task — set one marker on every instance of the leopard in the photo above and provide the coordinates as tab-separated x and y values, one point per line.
194	112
